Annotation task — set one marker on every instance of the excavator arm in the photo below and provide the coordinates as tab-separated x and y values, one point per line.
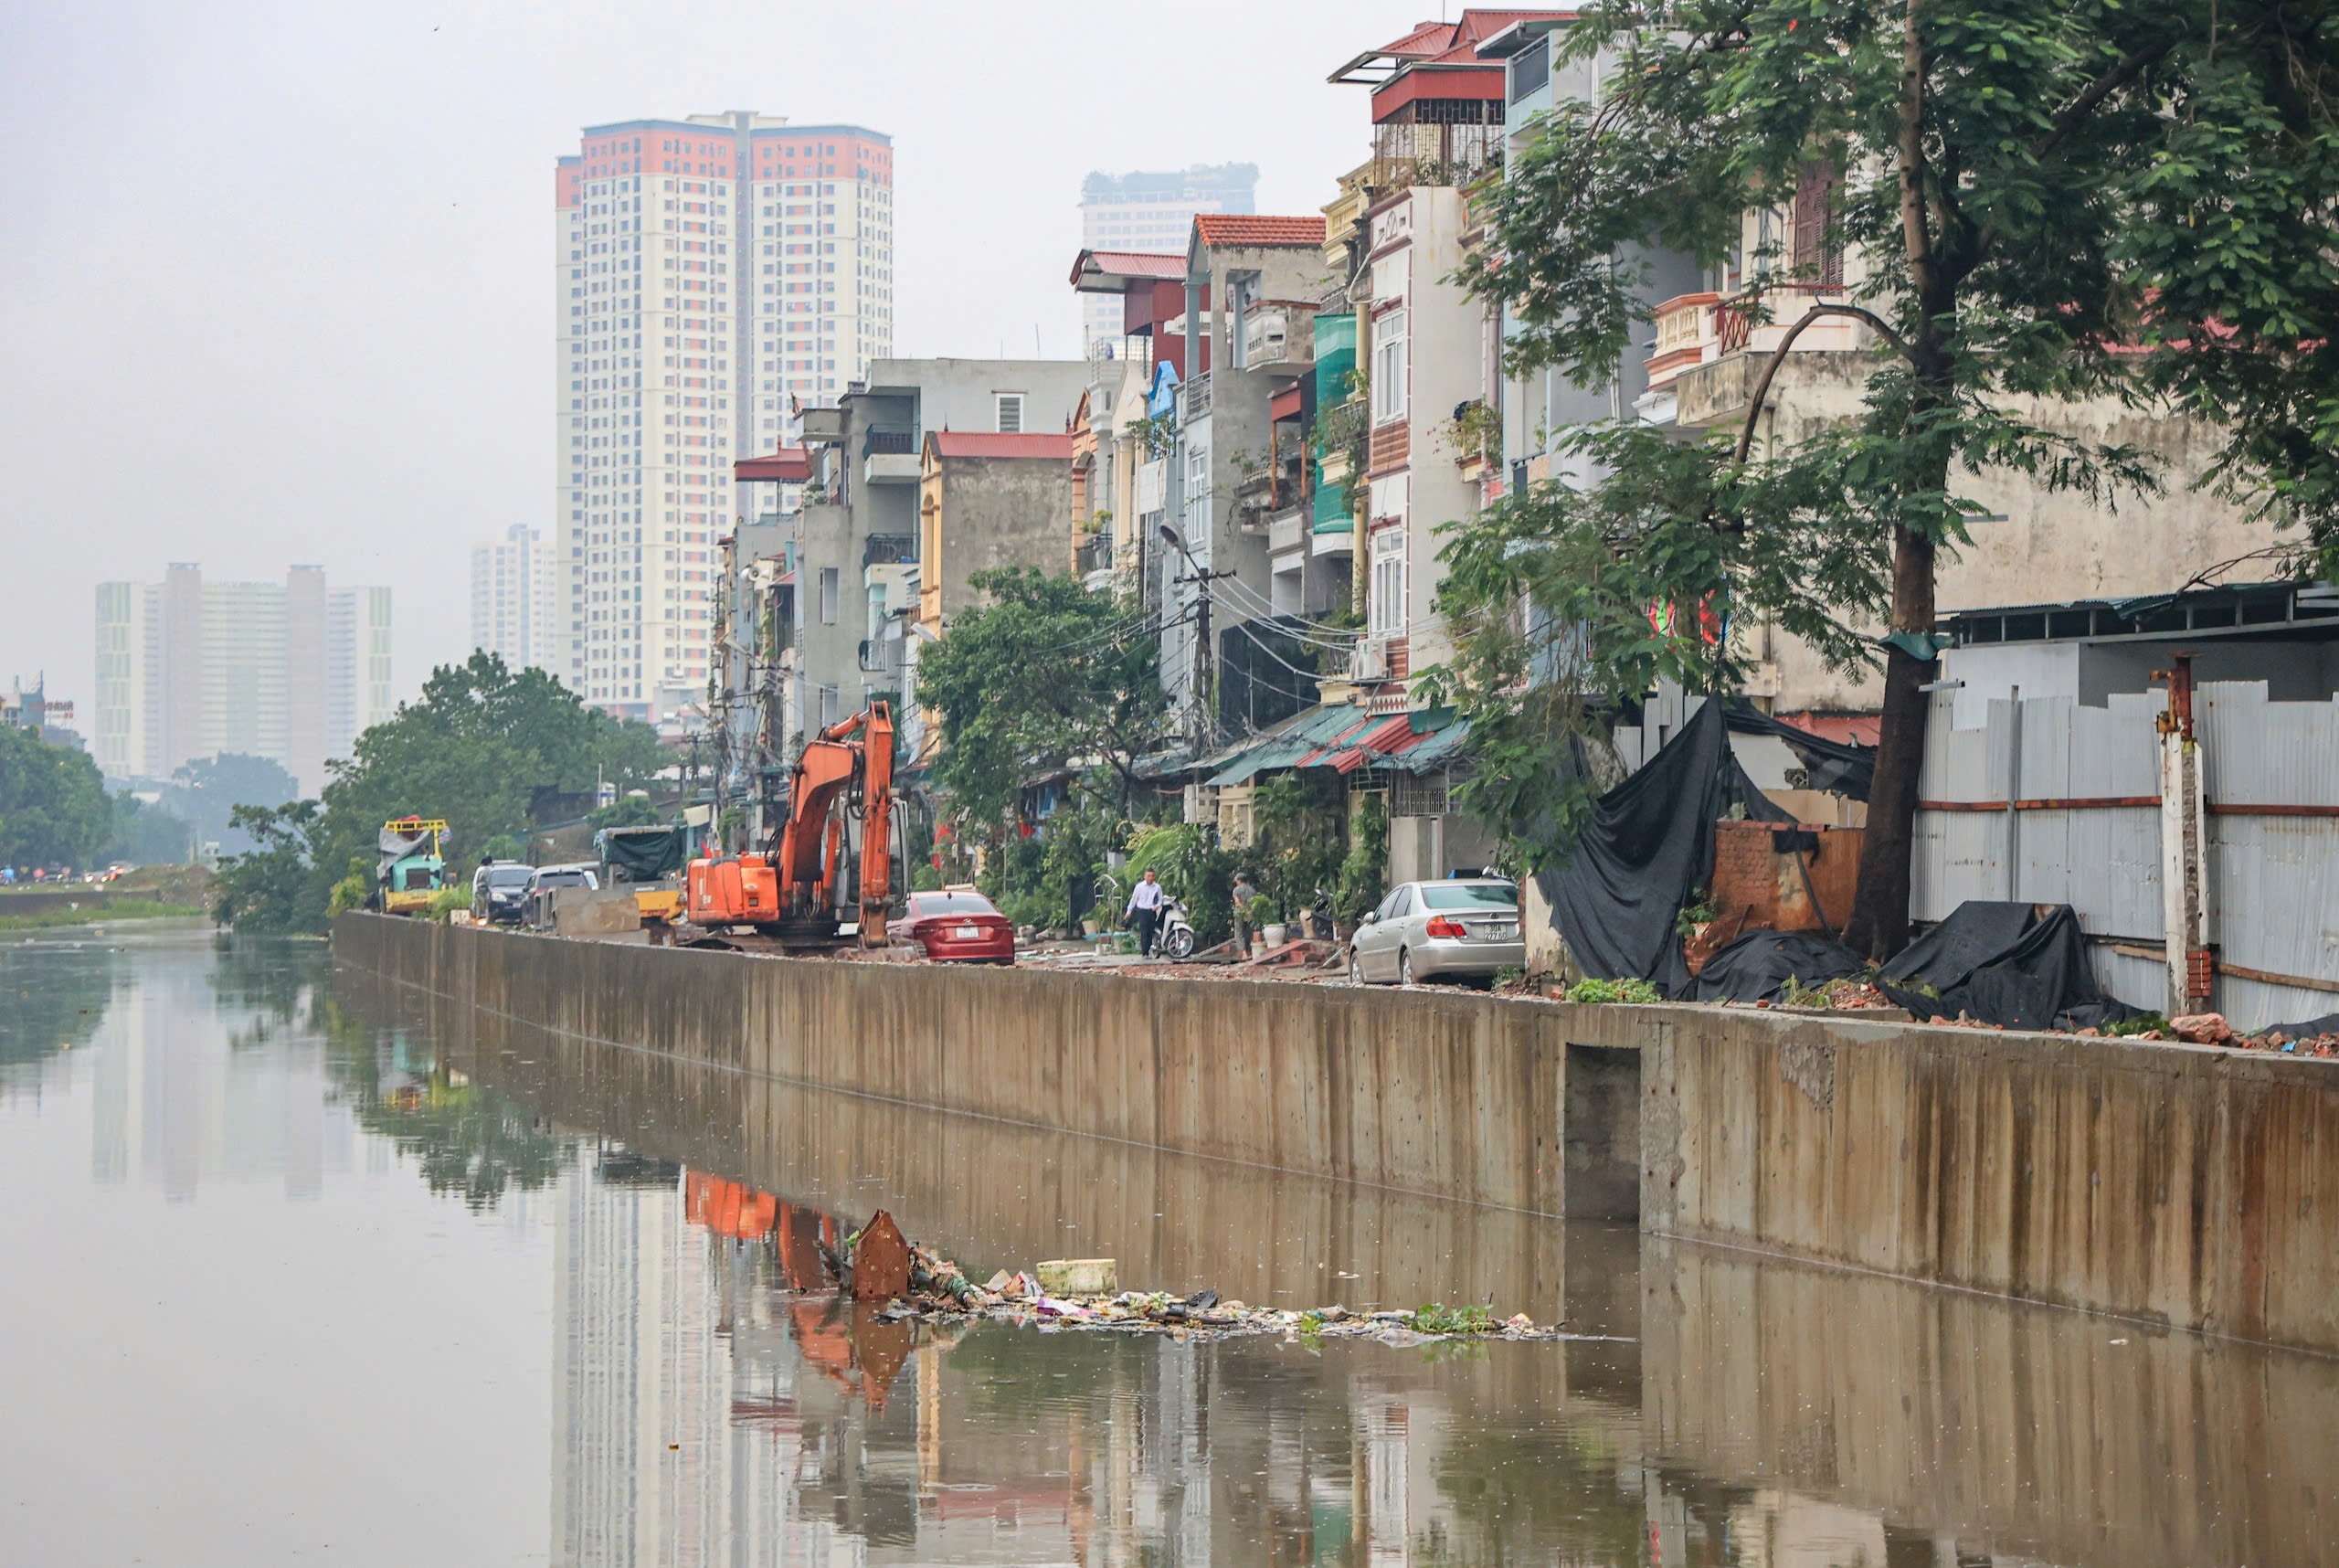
857	750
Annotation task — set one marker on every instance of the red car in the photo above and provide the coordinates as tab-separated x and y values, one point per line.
959	925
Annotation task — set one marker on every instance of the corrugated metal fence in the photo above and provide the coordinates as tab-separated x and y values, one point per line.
2060	803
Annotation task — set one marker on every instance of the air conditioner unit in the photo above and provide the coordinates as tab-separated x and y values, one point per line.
1368	662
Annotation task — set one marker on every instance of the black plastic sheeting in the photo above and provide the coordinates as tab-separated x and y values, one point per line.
642	855
2326	1024
2023	966
1757	966
1839	768
1649	847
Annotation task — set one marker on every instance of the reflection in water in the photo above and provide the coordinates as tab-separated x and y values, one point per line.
597	1323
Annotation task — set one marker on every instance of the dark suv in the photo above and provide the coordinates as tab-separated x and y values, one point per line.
500	892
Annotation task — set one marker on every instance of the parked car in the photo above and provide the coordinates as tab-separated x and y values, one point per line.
1465	927
957	926
546	878
500	892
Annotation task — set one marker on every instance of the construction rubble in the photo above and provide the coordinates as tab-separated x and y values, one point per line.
916	1284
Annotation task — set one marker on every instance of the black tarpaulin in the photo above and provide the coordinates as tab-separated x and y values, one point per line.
1757	966
1839	768
1649	847
642	855
2326	1024
2024	966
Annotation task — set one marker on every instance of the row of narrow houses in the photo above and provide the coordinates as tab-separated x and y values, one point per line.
1261	463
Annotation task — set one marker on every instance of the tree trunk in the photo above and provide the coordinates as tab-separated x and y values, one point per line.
1879	923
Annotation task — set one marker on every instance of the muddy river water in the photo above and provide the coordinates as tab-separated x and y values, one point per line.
293	1268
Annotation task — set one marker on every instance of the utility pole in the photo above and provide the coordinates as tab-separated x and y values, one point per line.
1204	730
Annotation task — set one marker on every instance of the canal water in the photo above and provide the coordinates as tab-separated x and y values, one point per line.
294	1267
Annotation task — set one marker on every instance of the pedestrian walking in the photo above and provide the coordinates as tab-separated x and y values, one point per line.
1243	894
1144	913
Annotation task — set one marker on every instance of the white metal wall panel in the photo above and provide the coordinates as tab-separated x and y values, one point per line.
2274	891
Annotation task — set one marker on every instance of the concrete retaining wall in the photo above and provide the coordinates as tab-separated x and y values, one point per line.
2183	1186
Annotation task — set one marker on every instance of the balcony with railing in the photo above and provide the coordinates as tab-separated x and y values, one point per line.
1193	397
1419	152
1279	338
1092	559
1700	329
890	455
888	549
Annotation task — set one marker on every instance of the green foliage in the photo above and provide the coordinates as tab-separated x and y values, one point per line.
53	806
1696	912
207	791
1794	993
627	811
1439	1318
1199	874
147	835
1043	674
504	846
97	914
1298	843
447	900
1632	991
350	893
1157	433
1362	881
274	887
2028	188
2143	1023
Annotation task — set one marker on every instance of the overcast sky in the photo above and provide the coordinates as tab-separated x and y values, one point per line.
276	281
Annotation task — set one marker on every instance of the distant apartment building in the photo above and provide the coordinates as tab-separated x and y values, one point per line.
514	600
1152	211
293	672
715	275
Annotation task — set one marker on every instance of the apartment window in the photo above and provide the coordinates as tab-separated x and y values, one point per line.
1386	613
827	595
828	713
1010	411
1389	367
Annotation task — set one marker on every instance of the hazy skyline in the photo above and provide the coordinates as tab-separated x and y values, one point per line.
276	281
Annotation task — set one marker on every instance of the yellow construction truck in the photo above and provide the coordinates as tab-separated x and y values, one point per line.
412	864
647	862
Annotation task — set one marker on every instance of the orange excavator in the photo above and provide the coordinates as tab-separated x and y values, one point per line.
844	777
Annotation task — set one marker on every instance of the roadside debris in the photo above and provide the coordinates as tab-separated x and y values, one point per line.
1081	1293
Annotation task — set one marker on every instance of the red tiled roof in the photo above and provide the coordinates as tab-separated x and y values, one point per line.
787	463
1256	228
1126	264
1861	728
996	444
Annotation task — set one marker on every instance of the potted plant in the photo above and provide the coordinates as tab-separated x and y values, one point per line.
1262	912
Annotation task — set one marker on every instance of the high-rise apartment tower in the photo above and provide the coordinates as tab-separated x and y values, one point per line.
516	600
715	274
1151	211
293	672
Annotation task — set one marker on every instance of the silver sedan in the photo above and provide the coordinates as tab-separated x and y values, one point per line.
1463	926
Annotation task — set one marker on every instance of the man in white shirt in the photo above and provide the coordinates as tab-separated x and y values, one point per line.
1144	913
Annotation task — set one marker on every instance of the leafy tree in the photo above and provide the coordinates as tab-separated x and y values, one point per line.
1044	675
147	835
277	886
628	812
486	749
53	806
2049	200
207	790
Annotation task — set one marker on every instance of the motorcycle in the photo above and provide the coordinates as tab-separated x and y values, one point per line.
1177	935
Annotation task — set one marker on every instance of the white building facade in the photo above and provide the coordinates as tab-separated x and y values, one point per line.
514	600
715	275
293	672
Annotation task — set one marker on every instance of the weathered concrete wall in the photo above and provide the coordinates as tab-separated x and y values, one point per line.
1452	1096
2178	1185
